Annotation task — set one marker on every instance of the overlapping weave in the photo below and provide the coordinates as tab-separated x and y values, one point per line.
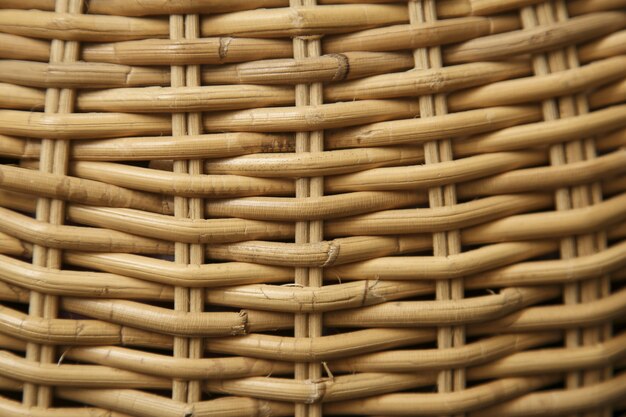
288	208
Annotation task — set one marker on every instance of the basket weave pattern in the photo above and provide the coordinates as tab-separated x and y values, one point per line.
297	208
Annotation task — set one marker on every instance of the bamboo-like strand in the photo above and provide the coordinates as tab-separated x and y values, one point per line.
446	243
53	159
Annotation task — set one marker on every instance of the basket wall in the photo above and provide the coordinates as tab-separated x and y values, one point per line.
288	208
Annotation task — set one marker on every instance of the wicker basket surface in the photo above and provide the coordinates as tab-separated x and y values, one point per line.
297	208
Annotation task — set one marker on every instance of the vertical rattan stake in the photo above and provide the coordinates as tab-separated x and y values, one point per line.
444	243
53	158
183	124
576	197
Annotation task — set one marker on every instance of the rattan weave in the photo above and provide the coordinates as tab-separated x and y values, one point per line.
297	208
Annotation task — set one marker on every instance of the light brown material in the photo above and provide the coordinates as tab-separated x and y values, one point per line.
221	208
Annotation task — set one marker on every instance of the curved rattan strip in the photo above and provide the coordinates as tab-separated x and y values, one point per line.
206	50
564	401
573	31
447	8
181	98
325	68
235	144
551	360
518	227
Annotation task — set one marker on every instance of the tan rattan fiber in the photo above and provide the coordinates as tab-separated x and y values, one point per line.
221	208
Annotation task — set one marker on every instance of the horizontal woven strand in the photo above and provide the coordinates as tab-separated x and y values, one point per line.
181	230
217	145
85	125
419	130
166	366
87	376
287	299
563	401
73	126
521	180
78	190
423	176
389	222
326	389
425	220
539	39
553	272
542	225
157	319
186	52
326	207
319	348
312	164
302	21
610	94
74	283
20	47
142	404
442	312
326	68
79	75
576	7
30	230
140	8
609	45
108	125
315	299
496	347
515	364
502	121
66	331
512	228
79	27
12	246
310	118
219	50
18	97
604	167
410	404
163	182
550	360
445	8
168	99
102	75
495	256
417	313
428	81
313	392
553	360
534	89
234	144
483	276
15	408
432	268
394	38
471	354
558	316
143	7
554	131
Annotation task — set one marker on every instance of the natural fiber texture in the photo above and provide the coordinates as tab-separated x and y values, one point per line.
312	208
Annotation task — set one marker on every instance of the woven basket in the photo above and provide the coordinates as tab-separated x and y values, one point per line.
288	208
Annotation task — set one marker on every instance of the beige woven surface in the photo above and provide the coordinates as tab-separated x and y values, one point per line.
297	208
